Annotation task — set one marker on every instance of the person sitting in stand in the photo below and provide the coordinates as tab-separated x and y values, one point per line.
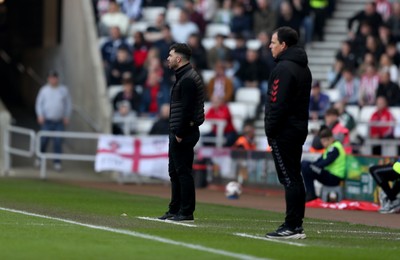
121	68
319	102
383	175
340	132
220	110
345	118
384	116
247	140
329	169
220	84
130	94
161	126
123	120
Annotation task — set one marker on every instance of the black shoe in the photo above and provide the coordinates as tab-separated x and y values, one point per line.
182	218
167	215
285	232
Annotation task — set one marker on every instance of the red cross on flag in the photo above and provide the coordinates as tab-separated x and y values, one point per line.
147	156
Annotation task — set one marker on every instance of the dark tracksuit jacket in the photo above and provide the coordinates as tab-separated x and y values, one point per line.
286	125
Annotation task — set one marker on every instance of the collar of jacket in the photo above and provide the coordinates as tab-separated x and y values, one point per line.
182	70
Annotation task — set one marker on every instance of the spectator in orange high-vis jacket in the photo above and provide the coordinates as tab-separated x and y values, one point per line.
246	140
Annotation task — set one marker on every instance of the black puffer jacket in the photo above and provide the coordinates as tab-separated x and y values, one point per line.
187	101
288	97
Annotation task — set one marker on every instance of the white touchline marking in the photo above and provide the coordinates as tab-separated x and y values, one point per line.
269	239
141	235
360	232
169	222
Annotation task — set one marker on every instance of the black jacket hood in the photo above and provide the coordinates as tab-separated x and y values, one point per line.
295	54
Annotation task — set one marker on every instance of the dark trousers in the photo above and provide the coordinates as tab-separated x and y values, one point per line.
287	158
319	23
50	125
383	174
181	155
323	176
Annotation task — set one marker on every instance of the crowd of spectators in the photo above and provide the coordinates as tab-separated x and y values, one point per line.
366	65
139	55
366	69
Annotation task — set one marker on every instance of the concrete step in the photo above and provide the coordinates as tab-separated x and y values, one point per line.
336	22
321	53
323	68
335	29
321	60
325	45
361	2
330	37
343	14
355	7
320	75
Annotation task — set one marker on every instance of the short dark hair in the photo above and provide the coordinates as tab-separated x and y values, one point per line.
332	111
127	80
325	133
183	49
288	35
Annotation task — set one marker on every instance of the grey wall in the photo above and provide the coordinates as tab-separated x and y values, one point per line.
82	66
5	119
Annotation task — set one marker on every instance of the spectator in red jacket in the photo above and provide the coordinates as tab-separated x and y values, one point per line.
220	110
381	115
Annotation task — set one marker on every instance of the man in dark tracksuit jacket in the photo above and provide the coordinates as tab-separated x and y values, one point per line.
286	124
186	115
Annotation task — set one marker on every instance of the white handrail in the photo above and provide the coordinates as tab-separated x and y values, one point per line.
64	156
8	149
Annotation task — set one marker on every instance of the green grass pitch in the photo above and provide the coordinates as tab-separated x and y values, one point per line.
45	220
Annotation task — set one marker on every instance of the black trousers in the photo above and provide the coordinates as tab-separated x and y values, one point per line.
287	158
181	155
383	174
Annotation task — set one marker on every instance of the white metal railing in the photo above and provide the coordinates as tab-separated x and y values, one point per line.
43	156
9	150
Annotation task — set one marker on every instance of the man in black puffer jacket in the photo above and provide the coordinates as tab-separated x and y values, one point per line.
286	124
186	115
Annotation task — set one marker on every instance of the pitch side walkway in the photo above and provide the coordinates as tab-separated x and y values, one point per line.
273	201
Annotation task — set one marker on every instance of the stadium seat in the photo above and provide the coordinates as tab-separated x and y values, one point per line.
251	97
213	29
396	112
113	90
239	112
353	110
230	43
253	44
150	13
207	106
362	124
144	125
172	15
207	75
208	43
138	27
333	94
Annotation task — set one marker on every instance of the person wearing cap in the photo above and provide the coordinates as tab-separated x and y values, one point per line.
53	110
186	115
